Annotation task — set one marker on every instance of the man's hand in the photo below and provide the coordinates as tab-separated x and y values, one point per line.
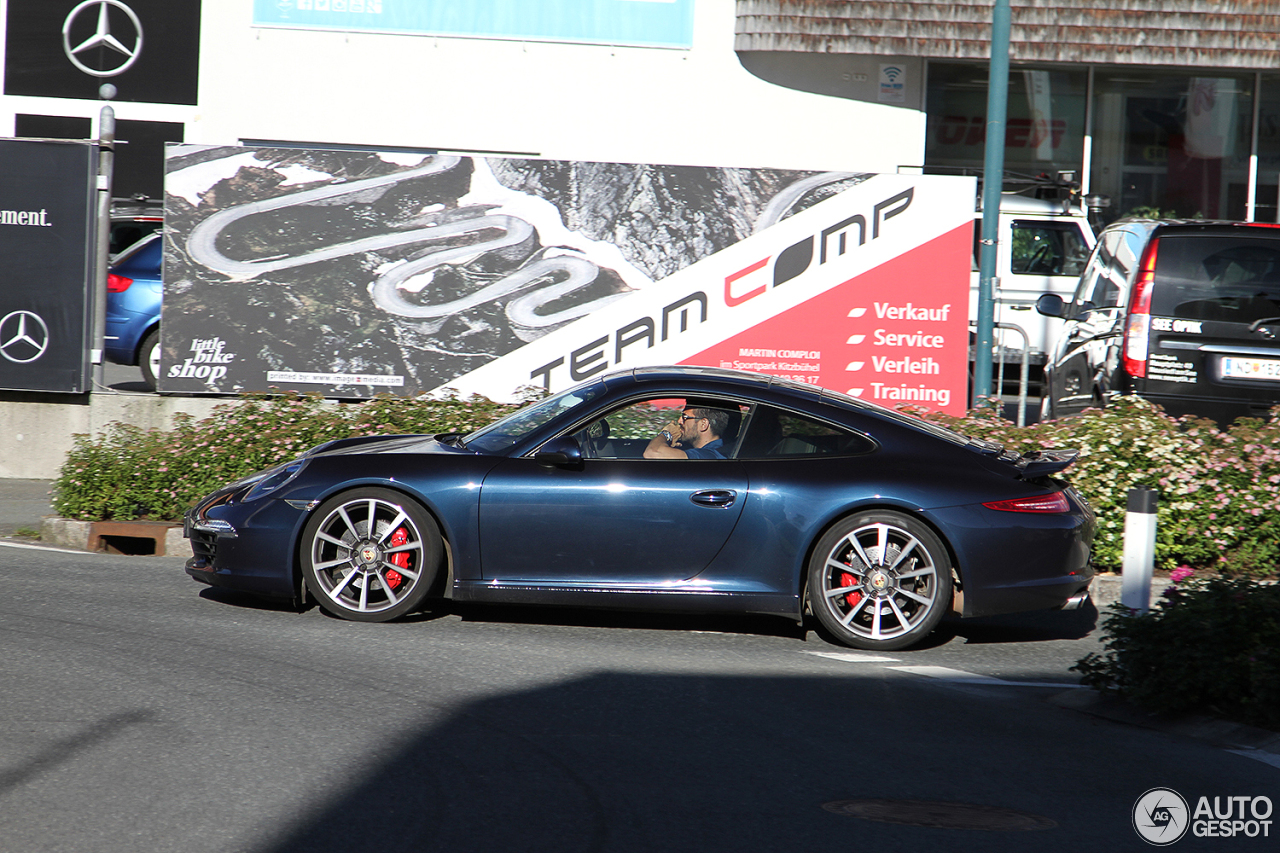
663	444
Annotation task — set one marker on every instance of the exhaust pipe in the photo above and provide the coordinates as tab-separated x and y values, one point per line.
1076	601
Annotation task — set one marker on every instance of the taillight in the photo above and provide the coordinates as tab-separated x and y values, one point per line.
1056	502
117	283
1137	327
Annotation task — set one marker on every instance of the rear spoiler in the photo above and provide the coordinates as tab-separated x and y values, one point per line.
1033	463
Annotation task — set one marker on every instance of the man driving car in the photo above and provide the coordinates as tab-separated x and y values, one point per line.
693	435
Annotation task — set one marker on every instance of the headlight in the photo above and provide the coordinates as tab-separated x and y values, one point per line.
274	479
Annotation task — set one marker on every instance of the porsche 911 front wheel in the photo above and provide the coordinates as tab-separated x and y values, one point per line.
879	581
370	554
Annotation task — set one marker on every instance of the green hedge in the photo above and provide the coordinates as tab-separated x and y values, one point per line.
1219	506
1208	646
1217	511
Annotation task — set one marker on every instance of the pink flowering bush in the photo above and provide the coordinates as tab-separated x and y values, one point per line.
128	473
1219	495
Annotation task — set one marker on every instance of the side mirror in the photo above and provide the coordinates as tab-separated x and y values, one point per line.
1051	305
559	452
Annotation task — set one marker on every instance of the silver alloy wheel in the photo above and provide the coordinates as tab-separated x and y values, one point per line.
367	555
881	582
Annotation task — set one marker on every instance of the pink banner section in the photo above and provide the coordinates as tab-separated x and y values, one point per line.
896	334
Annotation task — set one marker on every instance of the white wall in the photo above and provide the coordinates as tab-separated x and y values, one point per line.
562	101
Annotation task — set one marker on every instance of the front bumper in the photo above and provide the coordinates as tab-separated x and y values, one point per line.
245	547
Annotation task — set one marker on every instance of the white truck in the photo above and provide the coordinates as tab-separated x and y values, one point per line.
1042	248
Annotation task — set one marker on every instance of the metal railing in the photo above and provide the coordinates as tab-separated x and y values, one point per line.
1000	350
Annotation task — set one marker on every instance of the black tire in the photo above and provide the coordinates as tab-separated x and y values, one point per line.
149	357
351	562
879	581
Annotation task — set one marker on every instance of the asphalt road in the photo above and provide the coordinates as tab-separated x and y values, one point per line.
140	711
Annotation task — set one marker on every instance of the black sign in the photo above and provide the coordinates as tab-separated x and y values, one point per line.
46	218
148	49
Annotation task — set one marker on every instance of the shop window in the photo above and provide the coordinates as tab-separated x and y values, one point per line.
1171	145
1045	125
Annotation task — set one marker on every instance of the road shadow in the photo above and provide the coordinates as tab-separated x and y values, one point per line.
1030	627
622	761
138	387
746	623
245	601
1035	626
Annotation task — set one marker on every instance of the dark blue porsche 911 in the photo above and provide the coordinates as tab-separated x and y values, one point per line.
665	489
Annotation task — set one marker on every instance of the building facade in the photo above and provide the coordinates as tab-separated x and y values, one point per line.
1161	106
1169	106
602	80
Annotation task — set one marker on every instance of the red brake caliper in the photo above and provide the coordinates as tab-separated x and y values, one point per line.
854	597
399	537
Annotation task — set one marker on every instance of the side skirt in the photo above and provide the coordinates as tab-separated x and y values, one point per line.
629	598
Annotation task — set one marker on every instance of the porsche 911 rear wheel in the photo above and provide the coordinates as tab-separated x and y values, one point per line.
880	580
370	554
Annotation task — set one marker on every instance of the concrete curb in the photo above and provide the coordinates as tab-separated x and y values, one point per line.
158	539
1105	590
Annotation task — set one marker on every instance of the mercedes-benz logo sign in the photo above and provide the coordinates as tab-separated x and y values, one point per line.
24	337
103	38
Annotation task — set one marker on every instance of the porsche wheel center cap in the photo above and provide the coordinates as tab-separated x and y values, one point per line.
369	555
878	581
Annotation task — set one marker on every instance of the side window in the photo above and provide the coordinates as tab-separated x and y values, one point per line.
1102	282
1093	270
775	433
1075	251
1047	248
1104	293
625	433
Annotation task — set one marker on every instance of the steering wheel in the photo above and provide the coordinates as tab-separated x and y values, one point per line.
1041	261
593	437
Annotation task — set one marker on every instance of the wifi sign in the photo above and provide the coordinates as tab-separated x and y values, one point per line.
893	89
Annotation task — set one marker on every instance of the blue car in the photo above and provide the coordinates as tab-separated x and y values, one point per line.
134	293
665	489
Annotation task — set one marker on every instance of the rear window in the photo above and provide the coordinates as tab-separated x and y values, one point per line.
1234	279
774	433
142	259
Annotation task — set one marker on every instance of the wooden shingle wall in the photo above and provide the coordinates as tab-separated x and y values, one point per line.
1238	34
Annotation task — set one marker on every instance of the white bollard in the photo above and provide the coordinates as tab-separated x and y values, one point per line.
1139	548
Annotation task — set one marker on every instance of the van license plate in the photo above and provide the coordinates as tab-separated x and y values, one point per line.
1250	368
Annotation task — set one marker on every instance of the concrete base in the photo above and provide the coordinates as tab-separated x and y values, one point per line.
138	538
37	430
1105	589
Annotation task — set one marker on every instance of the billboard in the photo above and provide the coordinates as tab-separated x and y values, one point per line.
354	273
46	207
636	23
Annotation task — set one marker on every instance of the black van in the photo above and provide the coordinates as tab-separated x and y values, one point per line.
1185	314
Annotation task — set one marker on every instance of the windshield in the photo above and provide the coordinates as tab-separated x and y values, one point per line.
502	434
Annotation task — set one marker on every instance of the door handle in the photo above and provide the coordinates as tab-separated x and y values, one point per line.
721	498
